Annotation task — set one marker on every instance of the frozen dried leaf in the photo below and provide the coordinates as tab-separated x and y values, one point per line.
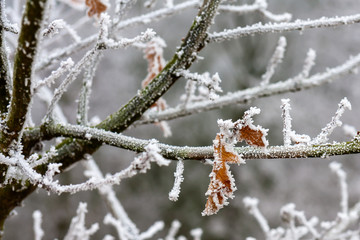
251	136
222	184
95	7
153	53
245	130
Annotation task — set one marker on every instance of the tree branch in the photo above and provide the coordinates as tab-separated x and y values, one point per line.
24	59
201	153
12	195
250	94
299	25
5	81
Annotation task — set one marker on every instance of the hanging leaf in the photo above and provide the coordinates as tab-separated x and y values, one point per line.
222	183
153	53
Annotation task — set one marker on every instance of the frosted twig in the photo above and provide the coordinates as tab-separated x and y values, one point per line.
77	228
4	23
308	64
64	67
336	168
299	227
196	233
109	195
300	25
258	5
53	28
110	220
83	105
211	83
152	230
179	178
174	229
37	161
335	122
156	15
284	17
246	96
67	81
46	96
252	205
38	231
275	60
125	42
120	7
141	164
63	52
285	107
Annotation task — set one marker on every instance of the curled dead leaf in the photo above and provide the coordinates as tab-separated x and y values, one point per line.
222	183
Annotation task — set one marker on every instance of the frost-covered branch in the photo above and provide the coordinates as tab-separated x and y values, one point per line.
23	71
200	153
275	60
246	96
157	15
64	67
299	25
258	5
335	122
285	107
109	195
178	174
77	228
38	231
5	77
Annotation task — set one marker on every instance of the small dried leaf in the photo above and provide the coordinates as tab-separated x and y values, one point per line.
153	53
154	56
251	136
245	130
222	183
95	7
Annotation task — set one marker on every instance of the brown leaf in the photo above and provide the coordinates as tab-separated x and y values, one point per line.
251	136
154	56
95	7
153	53
222	184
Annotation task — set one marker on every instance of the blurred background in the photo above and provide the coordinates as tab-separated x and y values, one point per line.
240	63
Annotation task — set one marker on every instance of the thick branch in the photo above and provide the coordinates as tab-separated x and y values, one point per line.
11	196
4	66
201	153
24	59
